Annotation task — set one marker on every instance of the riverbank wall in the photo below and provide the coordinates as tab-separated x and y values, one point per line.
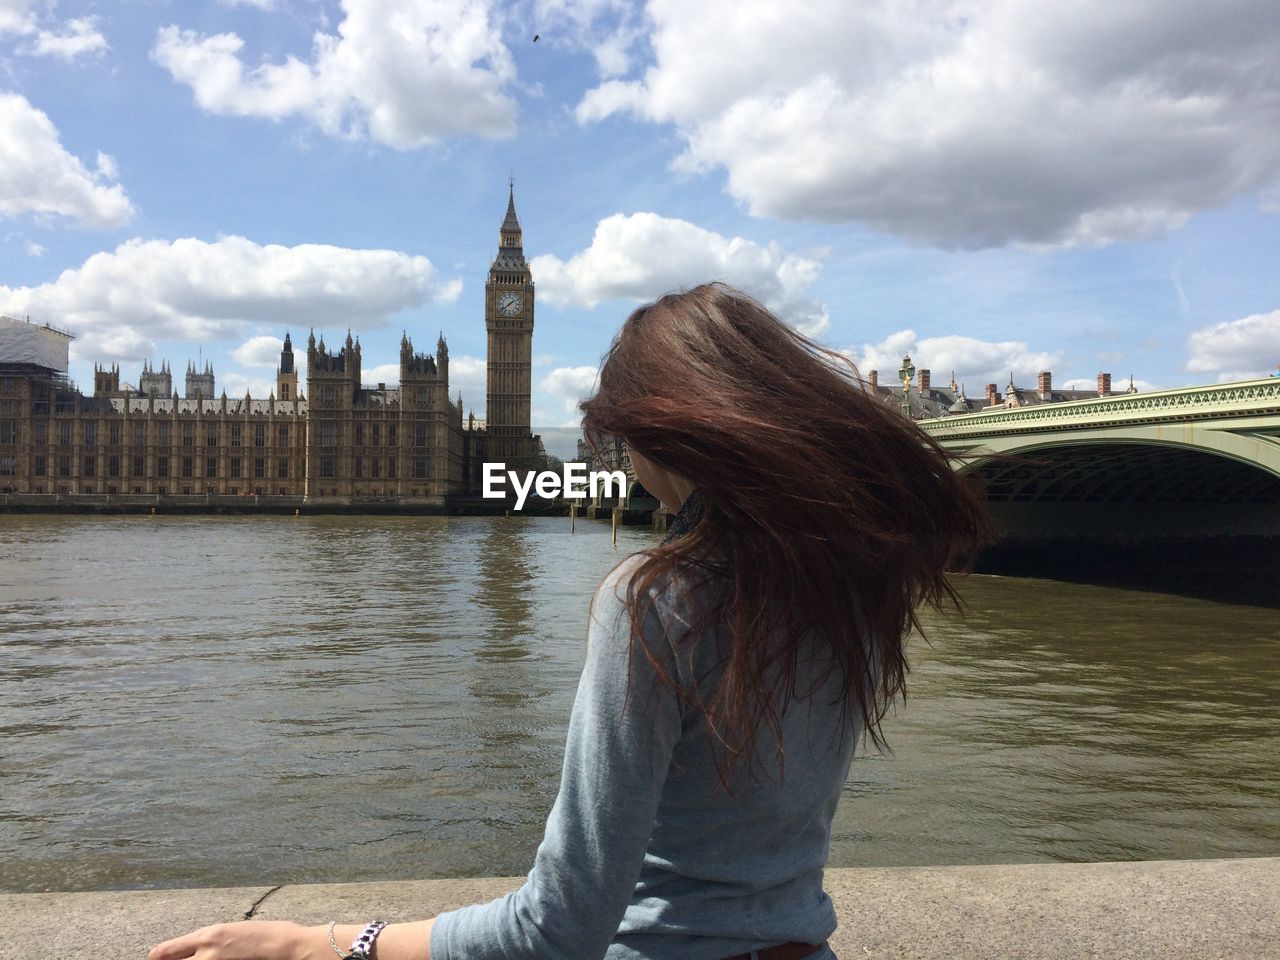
1121	911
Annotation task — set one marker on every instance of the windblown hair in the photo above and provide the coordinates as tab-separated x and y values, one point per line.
829	513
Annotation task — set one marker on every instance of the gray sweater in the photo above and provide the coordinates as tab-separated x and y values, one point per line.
644	855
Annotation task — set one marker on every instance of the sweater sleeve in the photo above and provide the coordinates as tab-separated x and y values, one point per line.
620	740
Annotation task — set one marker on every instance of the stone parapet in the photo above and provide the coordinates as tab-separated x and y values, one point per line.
1134	911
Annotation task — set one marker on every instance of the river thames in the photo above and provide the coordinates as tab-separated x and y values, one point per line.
211	702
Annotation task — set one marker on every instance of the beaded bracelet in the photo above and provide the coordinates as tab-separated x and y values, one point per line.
362	944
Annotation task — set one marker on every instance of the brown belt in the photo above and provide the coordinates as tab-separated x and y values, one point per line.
784	951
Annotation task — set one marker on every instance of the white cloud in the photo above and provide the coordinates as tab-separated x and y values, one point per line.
607	29
643	255
34	249
388	373
470	375
1237	349
260	4
75	38
569	385
18	16
401	72
975	362
236	384
260	351
119	302
968	124
34	21
38	175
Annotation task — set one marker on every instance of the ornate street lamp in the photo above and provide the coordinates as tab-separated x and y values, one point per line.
905	373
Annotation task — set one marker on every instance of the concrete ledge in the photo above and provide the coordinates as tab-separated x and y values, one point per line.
1160	909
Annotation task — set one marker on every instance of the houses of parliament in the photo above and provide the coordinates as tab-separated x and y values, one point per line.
345	441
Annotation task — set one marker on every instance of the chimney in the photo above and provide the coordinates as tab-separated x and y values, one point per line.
875	380
924	382
1104	384
992	397
1044	385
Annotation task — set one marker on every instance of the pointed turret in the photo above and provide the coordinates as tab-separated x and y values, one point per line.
511	223
510	239
287	375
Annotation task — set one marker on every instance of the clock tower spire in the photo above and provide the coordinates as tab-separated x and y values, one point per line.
508	301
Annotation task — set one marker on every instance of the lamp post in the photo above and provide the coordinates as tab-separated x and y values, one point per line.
905	373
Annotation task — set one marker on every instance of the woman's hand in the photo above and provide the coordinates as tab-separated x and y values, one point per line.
246	940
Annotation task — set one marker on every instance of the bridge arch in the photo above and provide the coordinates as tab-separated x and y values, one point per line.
638	498
1156	480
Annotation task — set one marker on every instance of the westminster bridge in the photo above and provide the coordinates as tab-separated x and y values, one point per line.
1198	461
1171	488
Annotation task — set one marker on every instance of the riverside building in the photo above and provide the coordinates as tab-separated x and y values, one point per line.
343	442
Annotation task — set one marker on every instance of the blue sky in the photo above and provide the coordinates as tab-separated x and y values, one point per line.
994	187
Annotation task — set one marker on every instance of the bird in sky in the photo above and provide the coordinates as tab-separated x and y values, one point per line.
536	36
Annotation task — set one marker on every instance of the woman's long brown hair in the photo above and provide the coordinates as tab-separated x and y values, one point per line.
831	513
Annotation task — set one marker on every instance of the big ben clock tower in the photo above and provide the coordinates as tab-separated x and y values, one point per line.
508	312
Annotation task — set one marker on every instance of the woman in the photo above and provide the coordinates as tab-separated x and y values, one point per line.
729	671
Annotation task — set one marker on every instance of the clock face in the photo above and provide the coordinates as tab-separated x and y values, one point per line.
509	304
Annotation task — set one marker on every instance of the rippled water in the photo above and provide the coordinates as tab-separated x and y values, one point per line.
204	702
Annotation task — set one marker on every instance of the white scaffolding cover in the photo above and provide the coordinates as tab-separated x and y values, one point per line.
24	342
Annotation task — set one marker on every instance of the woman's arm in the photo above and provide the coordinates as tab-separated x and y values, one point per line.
278	940
622	732
590	858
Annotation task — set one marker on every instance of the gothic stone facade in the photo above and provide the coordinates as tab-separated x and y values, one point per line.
346	442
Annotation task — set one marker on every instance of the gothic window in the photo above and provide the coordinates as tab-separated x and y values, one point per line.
419	434
282	435
328	467
41	432
139	466
328	433
391	468
259	434
41	467
391	433
210	467
8	431
235	434
419	468
329	395
64	466
113	466
282	469
113	433
376	431
235	468
139	435
359	467
89	464
8	466
188	434
211	435
284	391
422	396
374	464
162	466
164	435
259	468
188	468
90	434
64	434
359	434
